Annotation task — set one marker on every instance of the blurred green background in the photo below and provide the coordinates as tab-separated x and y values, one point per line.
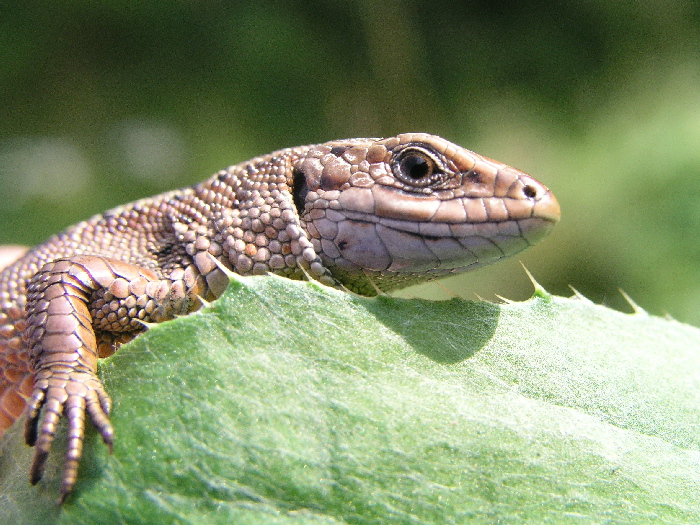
598	99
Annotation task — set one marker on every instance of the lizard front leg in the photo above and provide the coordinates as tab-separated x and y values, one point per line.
67	301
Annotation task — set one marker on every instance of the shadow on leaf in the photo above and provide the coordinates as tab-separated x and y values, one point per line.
460	328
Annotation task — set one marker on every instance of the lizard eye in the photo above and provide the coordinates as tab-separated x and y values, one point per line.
416	167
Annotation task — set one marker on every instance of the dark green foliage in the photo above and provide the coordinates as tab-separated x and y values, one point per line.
106	102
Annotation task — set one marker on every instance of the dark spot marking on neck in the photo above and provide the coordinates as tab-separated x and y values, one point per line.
299	190
339	150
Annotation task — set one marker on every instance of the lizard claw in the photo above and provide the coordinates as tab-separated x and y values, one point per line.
71	393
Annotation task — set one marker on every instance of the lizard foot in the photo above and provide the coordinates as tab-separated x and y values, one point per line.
71	393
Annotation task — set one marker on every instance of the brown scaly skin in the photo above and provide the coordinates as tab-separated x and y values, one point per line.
369	214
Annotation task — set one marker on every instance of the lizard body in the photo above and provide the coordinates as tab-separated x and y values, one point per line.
369	214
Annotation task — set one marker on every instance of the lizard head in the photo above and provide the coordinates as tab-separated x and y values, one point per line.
388	213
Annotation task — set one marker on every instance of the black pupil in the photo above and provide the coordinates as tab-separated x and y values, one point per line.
415	166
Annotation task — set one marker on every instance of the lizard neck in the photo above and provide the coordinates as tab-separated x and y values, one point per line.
253	218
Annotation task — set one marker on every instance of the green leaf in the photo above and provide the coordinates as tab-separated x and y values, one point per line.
289	402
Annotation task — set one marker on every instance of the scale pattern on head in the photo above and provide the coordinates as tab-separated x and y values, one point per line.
387	213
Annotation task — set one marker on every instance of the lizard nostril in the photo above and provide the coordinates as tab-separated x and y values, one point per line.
530	192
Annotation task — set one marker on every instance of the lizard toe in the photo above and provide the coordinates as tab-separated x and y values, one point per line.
31	423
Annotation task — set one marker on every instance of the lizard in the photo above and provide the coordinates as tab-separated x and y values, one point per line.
367	215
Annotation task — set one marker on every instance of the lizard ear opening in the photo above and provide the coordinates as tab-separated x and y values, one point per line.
299	190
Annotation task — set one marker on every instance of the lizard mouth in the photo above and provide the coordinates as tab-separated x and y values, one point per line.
391	241
396	246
